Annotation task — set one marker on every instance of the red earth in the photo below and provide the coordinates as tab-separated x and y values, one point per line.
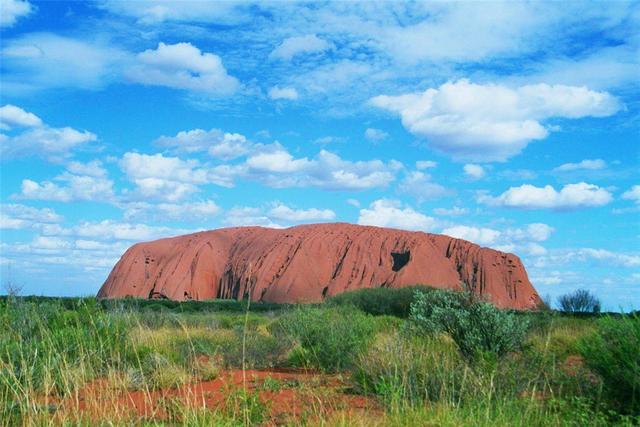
288	395
308	263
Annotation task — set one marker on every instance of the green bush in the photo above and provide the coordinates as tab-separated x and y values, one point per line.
613	351
477	327
329	338
380	301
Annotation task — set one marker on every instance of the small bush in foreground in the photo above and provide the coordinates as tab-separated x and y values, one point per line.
476	326
380	301
613	351
580	301
329	338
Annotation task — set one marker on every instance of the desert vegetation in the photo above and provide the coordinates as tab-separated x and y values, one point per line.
414	356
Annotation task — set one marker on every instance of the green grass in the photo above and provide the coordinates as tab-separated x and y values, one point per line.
568	370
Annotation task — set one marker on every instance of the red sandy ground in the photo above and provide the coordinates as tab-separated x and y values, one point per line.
300	395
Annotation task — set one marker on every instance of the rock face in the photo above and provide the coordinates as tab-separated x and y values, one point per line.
308	263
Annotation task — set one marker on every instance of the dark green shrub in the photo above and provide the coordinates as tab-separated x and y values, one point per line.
329	338
476	326
380	301
613	351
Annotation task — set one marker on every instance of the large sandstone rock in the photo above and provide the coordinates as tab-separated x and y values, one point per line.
310	262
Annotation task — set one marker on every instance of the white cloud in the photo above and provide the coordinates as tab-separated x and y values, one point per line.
419	185
38	61
161	178
595	164
571	196
183	66
222	145
632	194
481	236
299	45
425	164
391	213
73	188
288	93
285	213
159	11
245	216
10	116
16	216
354	202
491	122
186	211
34	138
521	240
114	230
93	168
607	257
474	172
274	166
375	135
454	211
12	10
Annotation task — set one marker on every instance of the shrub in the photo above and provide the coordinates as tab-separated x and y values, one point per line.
379	301
329	338
613	351
409	369
476	326
580	301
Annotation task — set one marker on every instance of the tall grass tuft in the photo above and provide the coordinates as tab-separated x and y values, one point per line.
613	351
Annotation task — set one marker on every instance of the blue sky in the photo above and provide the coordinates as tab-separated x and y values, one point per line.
512	125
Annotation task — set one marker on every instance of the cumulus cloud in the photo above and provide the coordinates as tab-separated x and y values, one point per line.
375	135
182	66
151	12
632	194
285	213
419	185
571	255
571	196
274	166
12	10
160	178
240	216
219	144
392	213
29	136
17	216
425	164
491	122
38	61
454	211
10	116
294	46
595	164
186	211
69	187
479	235
288	93
520	240
474	172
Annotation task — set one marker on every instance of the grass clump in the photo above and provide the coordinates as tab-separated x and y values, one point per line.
477	327
613	351
328	338
405	369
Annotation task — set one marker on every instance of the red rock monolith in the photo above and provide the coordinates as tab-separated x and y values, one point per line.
308	263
